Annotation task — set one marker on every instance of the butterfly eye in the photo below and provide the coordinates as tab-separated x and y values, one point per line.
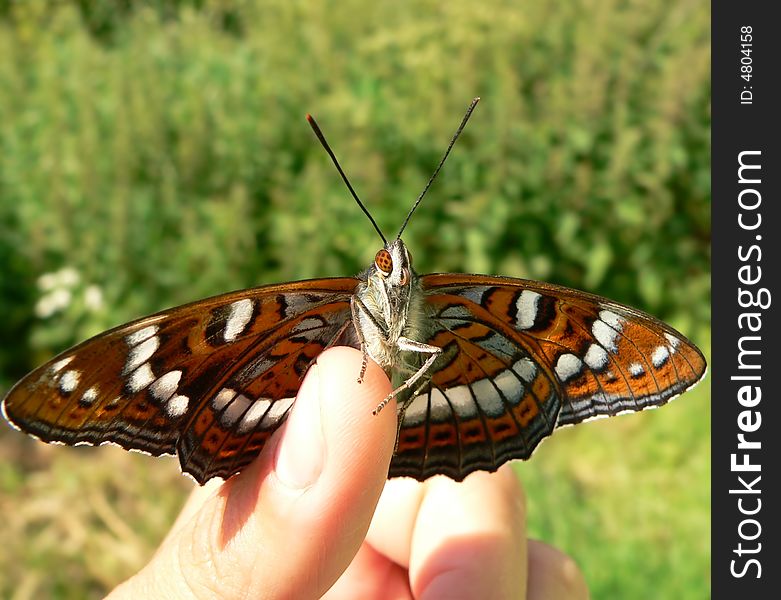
404	276
384	262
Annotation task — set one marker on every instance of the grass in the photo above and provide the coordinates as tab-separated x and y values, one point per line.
156	152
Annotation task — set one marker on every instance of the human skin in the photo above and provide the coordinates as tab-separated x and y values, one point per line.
315	516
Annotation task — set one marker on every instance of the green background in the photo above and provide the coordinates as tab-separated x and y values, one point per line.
156	152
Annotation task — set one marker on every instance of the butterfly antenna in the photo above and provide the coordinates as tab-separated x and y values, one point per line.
441	162
321	137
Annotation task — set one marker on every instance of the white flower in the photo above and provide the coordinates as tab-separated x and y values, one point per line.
68	277
53	302
47	282
93	298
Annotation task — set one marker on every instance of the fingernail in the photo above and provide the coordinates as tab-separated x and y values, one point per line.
301	452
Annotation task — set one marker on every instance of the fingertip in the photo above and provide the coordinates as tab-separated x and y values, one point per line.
331	431
343	365
470	536
554	575
359	443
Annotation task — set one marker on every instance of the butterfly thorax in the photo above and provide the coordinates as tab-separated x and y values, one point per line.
393	298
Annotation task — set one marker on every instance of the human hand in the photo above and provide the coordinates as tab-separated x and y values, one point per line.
296	523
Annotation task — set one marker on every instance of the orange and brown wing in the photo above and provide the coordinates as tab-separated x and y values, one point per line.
209	381
522	358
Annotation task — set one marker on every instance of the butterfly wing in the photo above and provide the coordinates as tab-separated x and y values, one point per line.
212	380
521	358
209	381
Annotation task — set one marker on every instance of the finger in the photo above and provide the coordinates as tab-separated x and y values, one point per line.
379	570
290	523
371	575
394	520
469	539
194	504
553	575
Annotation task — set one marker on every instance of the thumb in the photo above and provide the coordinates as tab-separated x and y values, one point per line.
291	523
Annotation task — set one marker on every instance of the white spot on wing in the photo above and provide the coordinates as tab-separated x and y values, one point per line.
140	378
69	381
488	398
222	398
416	411
510	385
440	408
139	336
462	401
90	395
235	410
659	356
166	385
674	342
568	366
177	406
526	369
60	364
527	305
141	353
275	412
612	319
596	357
605	334
253	415
240	314
636	369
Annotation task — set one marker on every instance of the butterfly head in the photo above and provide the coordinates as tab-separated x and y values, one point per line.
393	264
393	297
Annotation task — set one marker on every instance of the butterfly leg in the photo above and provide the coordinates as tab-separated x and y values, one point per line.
354	302
409	345
356	307
402	408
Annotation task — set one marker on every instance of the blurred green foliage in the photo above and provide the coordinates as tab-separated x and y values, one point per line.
154	152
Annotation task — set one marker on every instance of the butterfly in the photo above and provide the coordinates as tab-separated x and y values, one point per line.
484	368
